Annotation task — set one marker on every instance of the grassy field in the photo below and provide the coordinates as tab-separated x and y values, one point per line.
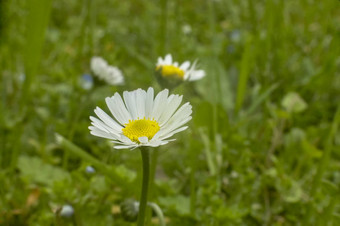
262	147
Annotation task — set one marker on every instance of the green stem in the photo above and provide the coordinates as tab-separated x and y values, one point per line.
145	185
159	213
163	27
110	172
153	165
192	187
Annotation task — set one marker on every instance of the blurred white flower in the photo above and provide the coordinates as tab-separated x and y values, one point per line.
22	77
236	35
186	29
115	75
90	170
185	72
110	74
67	211
141	119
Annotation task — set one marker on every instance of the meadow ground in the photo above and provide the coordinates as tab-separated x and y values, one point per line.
262	147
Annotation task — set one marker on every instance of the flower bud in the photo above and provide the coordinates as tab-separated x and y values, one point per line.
129	209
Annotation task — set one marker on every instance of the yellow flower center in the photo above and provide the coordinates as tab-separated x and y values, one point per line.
140	128
170	71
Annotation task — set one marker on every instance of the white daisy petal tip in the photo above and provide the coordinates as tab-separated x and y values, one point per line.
140	119
197	75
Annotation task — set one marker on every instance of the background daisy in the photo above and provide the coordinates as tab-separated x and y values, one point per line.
171	69
110	74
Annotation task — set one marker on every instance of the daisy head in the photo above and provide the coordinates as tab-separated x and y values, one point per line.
109	74
171	70
140	119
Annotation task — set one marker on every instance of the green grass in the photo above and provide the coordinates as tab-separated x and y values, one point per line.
246	159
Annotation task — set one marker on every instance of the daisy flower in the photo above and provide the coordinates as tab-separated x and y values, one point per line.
139	119
184	72
110	74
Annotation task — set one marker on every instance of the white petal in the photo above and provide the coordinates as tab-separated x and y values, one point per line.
117	142
174	128
160	61
181	116
143	140
154	143
149	103
159	104
184	66
107	119
164	142
177	124
113	135
140	103
174	132
130	101
157	143
124	146
118	109
168	59
173	102
103	134
102	126
196	75
126	140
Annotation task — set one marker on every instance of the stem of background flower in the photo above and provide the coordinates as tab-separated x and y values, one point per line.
193	166
159	213
161	51
163	27
145	185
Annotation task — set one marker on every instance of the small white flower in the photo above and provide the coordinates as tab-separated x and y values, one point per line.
90	170
109	74
98	65
140	119
67	211
114	76
185	72
186	29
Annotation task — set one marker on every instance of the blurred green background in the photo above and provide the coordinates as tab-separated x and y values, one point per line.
263	145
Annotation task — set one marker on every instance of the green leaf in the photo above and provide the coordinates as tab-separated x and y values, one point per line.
230	213
179	204
294	194
35	170
246	64
293	103
311	150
